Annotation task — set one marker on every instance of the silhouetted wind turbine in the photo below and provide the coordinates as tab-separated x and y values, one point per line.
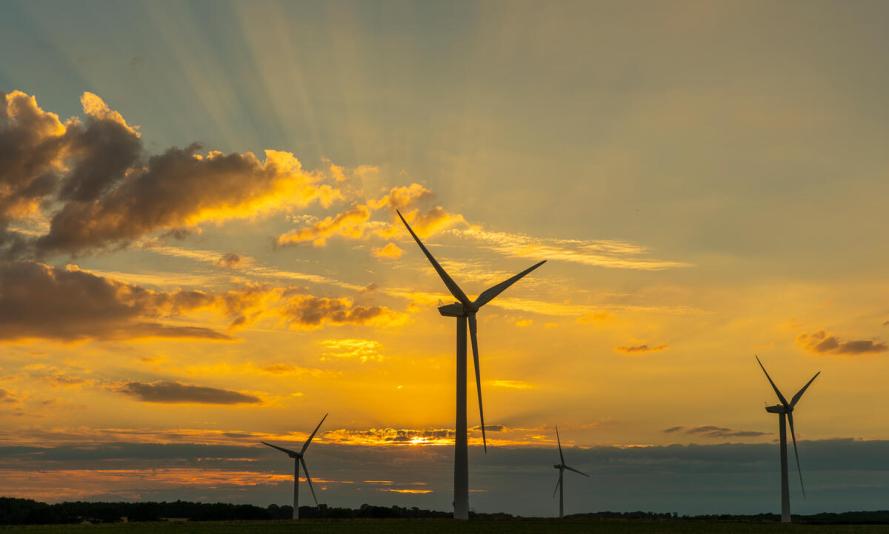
560	485
785	415
464	310
298	458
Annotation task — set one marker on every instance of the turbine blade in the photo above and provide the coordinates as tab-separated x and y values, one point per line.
556	489
799	394
282	449
308	441
559	441
777	391
796	453
576	471
489	294
445	277
309	479
473	334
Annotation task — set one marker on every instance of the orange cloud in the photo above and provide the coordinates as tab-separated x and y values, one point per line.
364	350
100	190
350	224
390	251
357	221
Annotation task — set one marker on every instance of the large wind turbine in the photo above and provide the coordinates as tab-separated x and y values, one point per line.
464	310
785	415
298	458
560	485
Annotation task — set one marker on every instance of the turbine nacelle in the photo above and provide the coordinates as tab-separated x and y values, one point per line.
557	466
456	309
778	408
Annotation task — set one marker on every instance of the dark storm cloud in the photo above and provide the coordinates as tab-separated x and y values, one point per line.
174	392
823	343
42	301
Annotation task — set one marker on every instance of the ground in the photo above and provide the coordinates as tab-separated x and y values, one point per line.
436	526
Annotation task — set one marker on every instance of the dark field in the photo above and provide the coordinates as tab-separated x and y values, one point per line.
435	526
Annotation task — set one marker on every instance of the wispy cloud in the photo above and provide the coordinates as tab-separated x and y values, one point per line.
363	350
247	266
607	254
512	384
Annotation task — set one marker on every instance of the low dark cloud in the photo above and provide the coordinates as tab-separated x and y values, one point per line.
712	431
823	343
309	311
42	301
631	349
174	392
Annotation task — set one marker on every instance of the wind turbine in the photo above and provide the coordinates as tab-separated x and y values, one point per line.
785	415
464	311
298	458
560	485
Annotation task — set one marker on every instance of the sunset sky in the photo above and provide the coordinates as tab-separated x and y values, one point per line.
200	248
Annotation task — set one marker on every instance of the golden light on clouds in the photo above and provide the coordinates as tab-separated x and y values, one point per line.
222	264
390	251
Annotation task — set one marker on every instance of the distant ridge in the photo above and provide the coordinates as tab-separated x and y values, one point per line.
29	512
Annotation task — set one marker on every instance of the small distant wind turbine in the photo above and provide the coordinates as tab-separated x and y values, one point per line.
785	415
298	458
560	485
464	310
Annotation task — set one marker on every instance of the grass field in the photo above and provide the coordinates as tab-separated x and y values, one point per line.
438	526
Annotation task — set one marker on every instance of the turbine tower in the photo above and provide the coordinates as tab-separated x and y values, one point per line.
299	458
560	485
785	416
464	311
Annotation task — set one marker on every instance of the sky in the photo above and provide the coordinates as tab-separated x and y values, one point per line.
200	249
